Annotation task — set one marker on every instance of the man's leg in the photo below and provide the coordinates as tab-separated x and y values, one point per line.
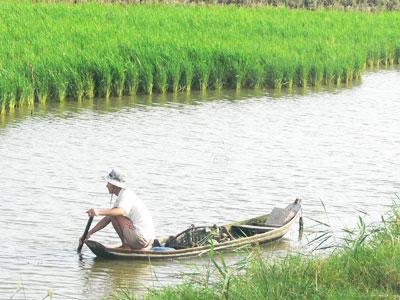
119	222
130	238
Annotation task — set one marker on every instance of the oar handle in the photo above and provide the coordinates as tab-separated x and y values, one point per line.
85	234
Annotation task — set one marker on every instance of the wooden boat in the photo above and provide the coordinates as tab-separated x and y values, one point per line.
196	241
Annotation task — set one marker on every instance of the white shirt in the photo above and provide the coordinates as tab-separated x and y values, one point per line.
137	212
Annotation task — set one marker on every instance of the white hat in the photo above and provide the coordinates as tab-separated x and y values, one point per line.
116	178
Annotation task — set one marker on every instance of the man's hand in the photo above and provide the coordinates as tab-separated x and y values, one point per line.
92	212
81	241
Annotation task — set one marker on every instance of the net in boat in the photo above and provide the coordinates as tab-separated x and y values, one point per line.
197	236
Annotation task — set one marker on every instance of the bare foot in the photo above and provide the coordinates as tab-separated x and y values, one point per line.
124	247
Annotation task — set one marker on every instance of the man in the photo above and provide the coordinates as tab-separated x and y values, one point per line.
129	216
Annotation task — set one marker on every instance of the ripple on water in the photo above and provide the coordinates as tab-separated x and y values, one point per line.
206	162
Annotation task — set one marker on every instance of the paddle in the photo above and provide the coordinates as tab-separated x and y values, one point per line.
84	234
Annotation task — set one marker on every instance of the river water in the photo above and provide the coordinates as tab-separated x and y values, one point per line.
200	159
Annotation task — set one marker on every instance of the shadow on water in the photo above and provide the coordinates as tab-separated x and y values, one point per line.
70	107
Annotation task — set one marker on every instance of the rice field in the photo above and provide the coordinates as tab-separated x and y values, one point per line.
63	50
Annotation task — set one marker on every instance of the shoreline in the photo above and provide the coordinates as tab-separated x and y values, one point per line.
366	265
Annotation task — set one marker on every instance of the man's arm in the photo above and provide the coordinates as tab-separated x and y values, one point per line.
114	212
100	225
107	213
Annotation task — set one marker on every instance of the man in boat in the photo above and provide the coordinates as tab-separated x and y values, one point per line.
129	216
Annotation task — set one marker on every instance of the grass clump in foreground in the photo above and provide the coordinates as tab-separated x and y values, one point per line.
60	50
366	267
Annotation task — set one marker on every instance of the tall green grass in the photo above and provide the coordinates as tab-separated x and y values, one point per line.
59	51
366	266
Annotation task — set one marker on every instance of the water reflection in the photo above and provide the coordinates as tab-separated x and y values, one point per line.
135	275
70	107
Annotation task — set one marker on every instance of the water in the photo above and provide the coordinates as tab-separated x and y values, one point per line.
201	159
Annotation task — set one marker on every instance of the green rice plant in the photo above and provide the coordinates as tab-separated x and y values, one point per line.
103	78
118	76
255	73
5	87
161	76
359	67
91	49
302	74
58	85
128	62
316	74
397	55
239	64
347	73
188	74
146	76
25	91
131	78
387	55
391	56
289	73
75	87
40	81
338	73
89	84
7	93
329	74
372	58
274	75
218	75
174	72
256	76
203	69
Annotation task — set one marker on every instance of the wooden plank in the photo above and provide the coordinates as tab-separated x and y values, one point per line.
257	228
